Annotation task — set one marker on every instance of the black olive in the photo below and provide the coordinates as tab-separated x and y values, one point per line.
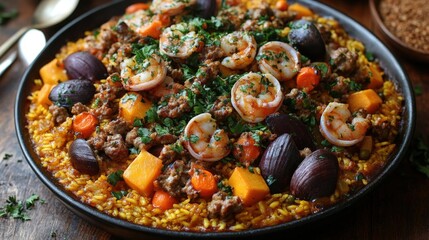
83	65
206	8
67	93
316	176
82	157
280	123
278	163
305	36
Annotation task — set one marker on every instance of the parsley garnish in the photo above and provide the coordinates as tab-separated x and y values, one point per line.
119	194
115	177
225	188
7	156
420	156
144	134
270	180
17	209
129	97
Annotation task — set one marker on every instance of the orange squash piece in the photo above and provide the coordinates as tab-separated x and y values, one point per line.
376	77
300	10
53	73
141	173
133	106
43	95
366	99
249	187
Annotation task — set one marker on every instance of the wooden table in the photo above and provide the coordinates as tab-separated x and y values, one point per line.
396	209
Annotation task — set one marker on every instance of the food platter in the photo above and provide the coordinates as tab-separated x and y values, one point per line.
123	228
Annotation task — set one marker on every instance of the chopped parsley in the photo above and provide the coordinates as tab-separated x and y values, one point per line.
18	209
119	194
270	180
225	188
144	134
129	97
7	156
420	156
115	177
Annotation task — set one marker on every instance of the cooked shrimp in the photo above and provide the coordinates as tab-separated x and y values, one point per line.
167	87
171	7
255	96
240	48
180	41
144	75
335	128
204	141
279	59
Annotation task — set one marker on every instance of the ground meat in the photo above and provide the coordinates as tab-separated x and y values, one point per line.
125	33
177	105
115	148
222	108
174	179
382	130
175	73
167	154
133	139
340	85
208	71
79	108
233	16
212	53
164	139
97	141
117	126
116	55
224	206
343	60
104	111
59	114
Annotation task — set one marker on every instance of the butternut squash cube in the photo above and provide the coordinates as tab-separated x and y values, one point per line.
53	73
249	187
366	99
43	95
376	77
141	173
133	106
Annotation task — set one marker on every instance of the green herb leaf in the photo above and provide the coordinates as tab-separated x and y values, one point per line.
29	203
115	177
420	156
7	156
119	194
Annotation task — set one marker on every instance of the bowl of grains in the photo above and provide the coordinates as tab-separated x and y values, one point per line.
404	25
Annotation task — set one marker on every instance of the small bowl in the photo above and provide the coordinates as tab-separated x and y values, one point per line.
402	47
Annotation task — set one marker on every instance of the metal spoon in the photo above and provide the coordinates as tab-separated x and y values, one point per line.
48	13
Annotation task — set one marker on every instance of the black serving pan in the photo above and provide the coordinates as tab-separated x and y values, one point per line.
98	16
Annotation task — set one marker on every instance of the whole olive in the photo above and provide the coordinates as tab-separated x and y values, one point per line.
316	176
83	65
278	162
82	157
305	36
67	93
206	8
280	123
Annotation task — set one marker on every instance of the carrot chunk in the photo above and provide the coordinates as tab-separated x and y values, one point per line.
163	200
307	78
152	29
282	5
246	150
366	99
141	173
85	124
204	182
249	187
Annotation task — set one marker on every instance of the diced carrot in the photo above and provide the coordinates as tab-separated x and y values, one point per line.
245	149
307	78
136	7
163	200
85	123
141	173
43	95
204	182
300	10
152	29
376	77
282	5
366	99
53	72
133	106
249	187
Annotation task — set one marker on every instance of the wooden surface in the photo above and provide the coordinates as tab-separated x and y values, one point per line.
396	209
